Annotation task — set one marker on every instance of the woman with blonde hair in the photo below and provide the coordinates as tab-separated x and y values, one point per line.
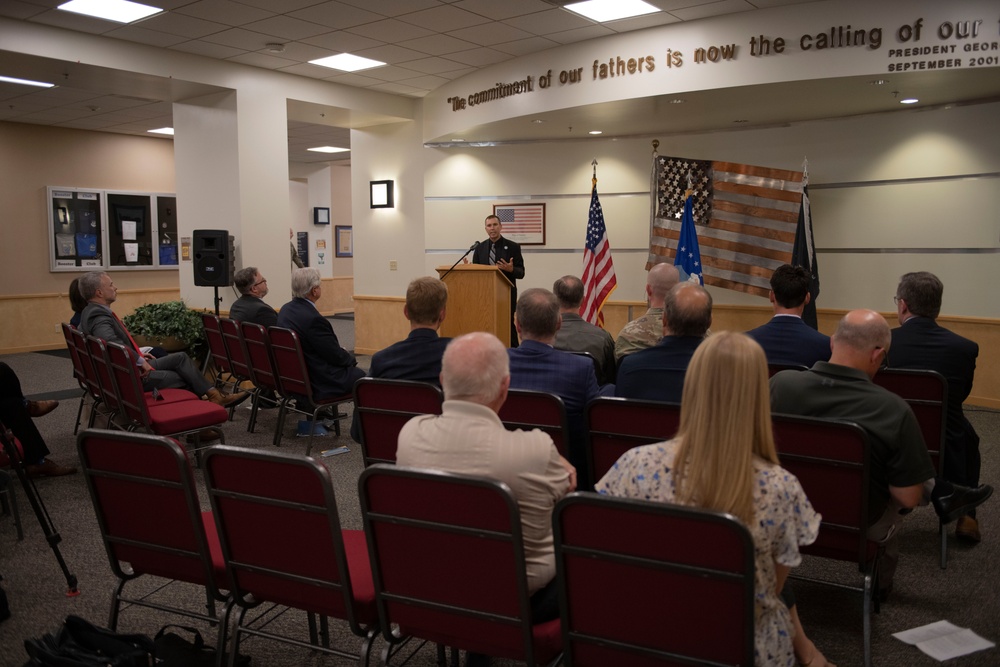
723	458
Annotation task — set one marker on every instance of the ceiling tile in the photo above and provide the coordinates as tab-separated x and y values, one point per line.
711	9
224	11
391	30
456	73
300	52
427	81
179	24
311	71
503	10
19	10
520	47
479	57
76	22
444	19
337	15
342	42
286	5
391	73
432	65
490	33
287	27
240	38
400	88
351	79
134	33
389	53
437	45
640	22
265	60
553	20
208	49
394	7
580	34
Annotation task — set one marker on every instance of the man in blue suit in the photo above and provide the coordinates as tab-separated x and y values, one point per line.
921	343
332	369
786	339
657	373
538	366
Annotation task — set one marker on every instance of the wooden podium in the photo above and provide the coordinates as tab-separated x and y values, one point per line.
478	300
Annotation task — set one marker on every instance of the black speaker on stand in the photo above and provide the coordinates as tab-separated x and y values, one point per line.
214	260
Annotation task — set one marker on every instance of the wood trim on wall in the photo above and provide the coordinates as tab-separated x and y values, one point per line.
338	295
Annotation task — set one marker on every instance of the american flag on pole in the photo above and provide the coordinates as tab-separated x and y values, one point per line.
599	279
746	217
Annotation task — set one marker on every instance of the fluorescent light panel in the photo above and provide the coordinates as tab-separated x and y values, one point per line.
162	130
612	10
347	62
121	11
329	149
26	82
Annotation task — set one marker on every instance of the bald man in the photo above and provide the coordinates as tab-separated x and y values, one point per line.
657	373
902	475
646	331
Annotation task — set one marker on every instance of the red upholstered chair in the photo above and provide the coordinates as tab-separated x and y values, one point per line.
283	546
97	351
448	564
926	392
78	372
685	598
616	425
170	418
151	523
293	383
384	406
526	409
261	364
217	351
830	458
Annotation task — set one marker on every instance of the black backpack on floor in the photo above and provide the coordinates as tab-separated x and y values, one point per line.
79	643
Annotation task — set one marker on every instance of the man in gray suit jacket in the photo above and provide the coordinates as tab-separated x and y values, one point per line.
175	370
250	307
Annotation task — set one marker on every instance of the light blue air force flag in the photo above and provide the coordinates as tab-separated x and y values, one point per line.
688	256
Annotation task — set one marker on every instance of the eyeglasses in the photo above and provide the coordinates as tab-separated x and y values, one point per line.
885	358
895	300
260	282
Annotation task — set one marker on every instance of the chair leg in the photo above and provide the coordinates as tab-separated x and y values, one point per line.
254	407
943	529
282	412
869	584
79	414
116	600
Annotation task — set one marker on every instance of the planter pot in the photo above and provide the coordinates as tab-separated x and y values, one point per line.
168	343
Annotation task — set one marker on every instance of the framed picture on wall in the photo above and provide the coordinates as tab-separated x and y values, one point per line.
343	240
522	223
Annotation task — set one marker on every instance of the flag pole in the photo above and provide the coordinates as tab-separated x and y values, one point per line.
653	201
593	181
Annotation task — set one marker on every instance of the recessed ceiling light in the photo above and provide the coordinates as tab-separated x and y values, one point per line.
275	47
879	82
611	10
909	100
162	130
458	140
347	62
677	100
328	149
740	121
26	82
595	132
538	121
121	11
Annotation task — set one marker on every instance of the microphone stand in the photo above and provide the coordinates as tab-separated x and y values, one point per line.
471	248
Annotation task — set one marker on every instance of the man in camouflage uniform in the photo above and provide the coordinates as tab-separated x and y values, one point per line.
646	331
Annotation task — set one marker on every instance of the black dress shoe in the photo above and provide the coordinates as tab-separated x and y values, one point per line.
960	501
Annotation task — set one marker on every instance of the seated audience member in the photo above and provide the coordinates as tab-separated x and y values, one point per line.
578	335
76	302
418	356
536	365
646	331
657	373
468	437
174	370
786	339
332	369
902	475
16	413
250	307
724	459
921	343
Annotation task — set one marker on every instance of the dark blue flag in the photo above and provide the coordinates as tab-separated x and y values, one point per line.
688	257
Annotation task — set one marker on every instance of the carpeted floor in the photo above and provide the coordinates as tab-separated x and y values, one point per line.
967	593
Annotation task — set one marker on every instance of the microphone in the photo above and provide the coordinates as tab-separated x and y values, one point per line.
471	248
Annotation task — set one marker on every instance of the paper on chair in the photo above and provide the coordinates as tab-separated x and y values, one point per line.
943	640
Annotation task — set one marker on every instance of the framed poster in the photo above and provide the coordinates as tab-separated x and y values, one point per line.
522	223
343	240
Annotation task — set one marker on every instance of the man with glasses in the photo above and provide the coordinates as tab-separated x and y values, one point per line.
902	475
250	307
921	343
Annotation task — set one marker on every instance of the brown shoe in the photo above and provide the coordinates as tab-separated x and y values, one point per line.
967	530
41	408
48	468
205	436
227	400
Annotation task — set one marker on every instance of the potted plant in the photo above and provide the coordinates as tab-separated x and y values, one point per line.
170	325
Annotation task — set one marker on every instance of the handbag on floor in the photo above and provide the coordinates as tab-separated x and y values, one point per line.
79	643
172	650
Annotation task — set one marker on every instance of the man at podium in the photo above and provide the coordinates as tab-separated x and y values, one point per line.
505	255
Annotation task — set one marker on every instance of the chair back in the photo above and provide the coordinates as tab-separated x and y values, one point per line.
926	392
90	378
830	458
384	406
147	507
289	363
280	532
131	397
98	352
260	361
235	348
216	345
448	562
616	425
527	409
78	371
627	599
773	369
